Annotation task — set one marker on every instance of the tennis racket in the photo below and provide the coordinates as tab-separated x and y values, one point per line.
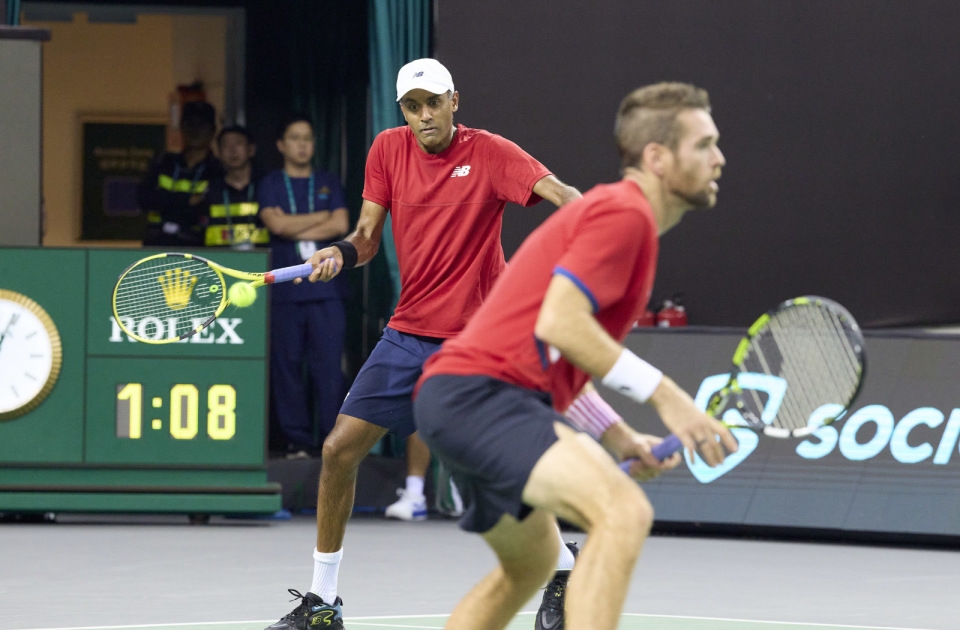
815	346
167	298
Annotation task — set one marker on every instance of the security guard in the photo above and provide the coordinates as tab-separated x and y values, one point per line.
174	193
234	218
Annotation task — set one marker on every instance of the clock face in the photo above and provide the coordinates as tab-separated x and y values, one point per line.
30	354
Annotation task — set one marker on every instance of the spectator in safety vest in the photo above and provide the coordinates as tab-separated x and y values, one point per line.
234	218
174	193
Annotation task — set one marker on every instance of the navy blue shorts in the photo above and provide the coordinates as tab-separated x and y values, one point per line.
381	393
490	434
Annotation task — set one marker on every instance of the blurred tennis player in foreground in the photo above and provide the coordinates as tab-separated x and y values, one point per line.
489	401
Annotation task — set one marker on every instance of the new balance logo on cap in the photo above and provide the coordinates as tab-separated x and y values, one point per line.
461	171
424	74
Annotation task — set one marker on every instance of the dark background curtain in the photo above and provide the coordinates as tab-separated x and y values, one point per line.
11	12
311	56
400	31
308	56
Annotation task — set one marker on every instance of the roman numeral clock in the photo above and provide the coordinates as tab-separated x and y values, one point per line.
92	420
30	354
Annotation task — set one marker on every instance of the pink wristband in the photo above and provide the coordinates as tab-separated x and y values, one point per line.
591	414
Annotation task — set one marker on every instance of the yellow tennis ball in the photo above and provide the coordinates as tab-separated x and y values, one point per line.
241	294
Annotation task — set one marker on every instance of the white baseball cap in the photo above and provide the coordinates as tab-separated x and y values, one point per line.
425	74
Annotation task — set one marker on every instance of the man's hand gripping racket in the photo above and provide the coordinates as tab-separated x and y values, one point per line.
815	346
327	263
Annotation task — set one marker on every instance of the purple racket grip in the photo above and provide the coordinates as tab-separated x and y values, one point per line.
285	274
661	451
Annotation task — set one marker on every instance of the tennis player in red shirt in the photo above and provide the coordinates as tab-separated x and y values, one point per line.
489	403
445	187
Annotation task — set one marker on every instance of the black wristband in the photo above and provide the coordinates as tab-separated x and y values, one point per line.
349	253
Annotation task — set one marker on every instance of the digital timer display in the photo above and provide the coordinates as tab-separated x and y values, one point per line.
173	411
184	404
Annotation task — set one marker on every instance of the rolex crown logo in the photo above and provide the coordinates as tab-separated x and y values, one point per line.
177	286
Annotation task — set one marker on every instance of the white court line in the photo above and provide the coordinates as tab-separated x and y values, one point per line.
782	623
374	618
380	624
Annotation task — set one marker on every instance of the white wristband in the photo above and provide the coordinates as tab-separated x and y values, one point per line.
633	377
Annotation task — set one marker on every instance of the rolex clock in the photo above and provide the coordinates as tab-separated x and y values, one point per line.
30	354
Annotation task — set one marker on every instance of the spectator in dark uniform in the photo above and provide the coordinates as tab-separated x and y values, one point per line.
234	218
174	193
305	210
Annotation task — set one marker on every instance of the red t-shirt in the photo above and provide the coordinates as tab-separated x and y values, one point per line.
447	211
607	243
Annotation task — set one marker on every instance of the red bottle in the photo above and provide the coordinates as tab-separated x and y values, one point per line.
648	318
672	314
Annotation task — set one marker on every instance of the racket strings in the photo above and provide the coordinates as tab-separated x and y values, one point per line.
842	365
756	352
852	343
803	369
177	291
769	357
818	359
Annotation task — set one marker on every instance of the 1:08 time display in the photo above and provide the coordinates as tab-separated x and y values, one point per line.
184	416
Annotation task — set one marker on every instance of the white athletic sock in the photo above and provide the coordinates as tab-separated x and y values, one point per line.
414	486
326	568
566	560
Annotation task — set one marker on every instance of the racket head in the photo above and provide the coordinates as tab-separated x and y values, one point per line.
800	367
169	297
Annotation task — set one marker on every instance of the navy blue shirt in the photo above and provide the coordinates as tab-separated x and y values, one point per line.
328	196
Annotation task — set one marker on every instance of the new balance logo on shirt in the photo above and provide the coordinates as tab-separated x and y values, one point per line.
461	171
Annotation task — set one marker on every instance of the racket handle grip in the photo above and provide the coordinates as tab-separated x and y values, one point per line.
670	445
285	274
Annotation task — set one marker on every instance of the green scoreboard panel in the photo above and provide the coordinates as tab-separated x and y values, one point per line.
110	424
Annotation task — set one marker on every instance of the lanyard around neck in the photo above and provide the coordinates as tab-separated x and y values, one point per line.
310	190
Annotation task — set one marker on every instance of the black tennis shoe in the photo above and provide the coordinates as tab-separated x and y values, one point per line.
312	612
550	615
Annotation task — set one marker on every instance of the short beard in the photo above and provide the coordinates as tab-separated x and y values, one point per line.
702	199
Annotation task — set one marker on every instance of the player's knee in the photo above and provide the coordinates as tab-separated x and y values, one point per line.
629	513
342	451
642	512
